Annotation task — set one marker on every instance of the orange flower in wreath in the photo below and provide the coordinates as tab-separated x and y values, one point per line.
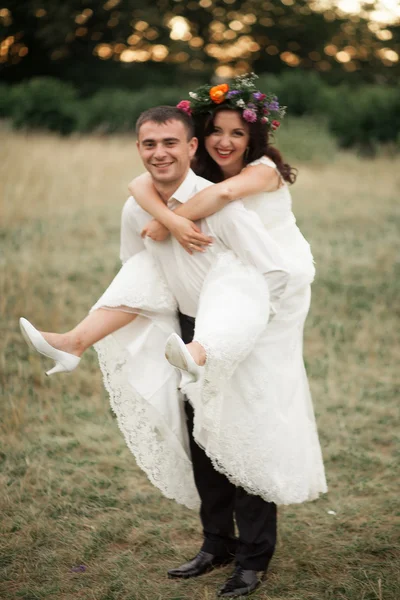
217	93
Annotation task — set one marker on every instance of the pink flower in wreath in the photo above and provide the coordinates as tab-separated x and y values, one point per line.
185	106
249	115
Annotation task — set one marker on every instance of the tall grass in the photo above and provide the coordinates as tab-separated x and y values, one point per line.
79	520
306	140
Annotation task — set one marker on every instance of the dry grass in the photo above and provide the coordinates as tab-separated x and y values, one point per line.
70	491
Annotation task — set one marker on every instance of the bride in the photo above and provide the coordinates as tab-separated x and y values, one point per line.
245	374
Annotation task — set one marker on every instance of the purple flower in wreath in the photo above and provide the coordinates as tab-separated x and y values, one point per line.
232	93
251	105
274	105
249	115
259	96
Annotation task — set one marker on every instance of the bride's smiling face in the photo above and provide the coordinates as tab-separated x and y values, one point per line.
228	141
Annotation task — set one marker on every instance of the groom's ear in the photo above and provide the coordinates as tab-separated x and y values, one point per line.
193	144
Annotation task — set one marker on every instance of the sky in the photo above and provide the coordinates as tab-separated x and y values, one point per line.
385	11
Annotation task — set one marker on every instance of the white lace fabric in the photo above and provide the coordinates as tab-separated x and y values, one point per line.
158	451
142	386
253	411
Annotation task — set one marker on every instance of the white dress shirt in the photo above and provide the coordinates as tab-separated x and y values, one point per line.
233	228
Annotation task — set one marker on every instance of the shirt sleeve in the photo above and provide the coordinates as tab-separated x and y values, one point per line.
242	231
131	242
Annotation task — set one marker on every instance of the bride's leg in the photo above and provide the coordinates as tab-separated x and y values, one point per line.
233	311
96	326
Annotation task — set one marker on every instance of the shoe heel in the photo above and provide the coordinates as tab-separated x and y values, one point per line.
64	361
58	368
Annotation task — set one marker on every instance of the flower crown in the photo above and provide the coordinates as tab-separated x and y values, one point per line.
242	94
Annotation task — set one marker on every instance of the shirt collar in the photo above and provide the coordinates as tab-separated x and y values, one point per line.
186	189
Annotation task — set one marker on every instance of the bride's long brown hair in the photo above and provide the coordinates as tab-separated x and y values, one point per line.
259	146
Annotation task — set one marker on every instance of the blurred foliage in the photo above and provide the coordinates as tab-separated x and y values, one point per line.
6	100
128	43
306	139
45	103
303	92
366	117
110	111
363	117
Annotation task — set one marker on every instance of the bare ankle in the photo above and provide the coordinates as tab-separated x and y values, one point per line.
198	353
75	343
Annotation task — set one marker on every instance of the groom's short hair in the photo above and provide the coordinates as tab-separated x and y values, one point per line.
163	114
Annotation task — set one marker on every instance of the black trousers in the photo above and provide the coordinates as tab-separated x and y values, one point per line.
221	501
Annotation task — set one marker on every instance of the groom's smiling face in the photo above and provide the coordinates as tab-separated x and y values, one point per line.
166	151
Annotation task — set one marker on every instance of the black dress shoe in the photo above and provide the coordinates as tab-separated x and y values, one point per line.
202	563
240	583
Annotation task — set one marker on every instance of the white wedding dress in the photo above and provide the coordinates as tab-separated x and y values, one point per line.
253	411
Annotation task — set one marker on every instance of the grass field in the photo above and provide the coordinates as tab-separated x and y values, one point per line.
79	520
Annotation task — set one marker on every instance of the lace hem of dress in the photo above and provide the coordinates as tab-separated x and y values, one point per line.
269	468
152	443
139	284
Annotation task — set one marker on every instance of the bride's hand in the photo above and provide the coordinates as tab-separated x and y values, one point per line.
189	235
155	230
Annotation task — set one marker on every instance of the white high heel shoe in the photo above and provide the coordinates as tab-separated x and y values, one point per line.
64	361
179	356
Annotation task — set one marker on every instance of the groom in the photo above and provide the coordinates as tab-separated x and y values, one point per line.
166	145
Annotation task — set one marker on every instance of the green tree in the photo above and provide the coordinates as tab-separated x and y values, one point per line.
131	43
